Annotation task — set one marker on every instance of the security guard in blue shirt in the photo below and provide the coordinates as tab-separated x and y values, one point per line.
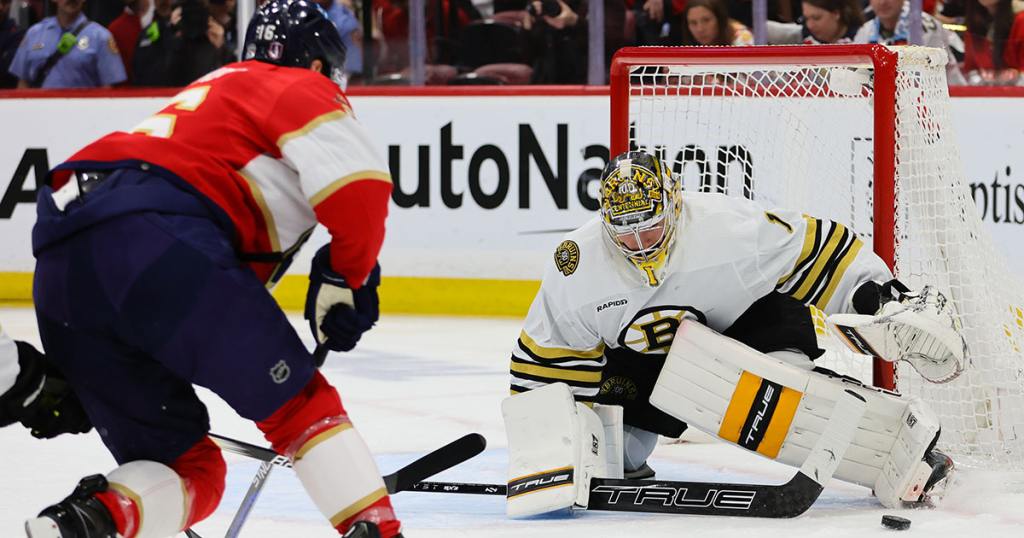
67	51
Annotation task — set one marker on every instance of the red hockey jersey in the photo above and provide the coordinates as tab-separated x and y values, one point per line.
278	149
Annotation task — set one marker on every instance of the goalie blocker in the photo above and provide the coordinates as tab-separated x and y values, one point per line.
780	411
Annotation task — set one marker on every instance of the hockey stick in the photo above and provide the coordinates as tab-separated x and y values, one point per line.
320	355
707	498
403	479
673	497
249	501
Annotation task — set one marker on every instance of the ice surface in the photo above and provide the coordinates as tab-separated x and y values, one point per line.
415	383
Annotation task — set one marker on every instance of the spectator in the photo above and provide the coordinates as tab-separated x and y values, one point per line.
10	36
126	29
344	18
993	43
557	31
891	27
223	11
707	22
656	20
185	44
67	51
824	22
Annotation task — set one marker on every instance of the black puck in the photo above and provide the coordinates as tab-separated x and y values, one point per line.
896	522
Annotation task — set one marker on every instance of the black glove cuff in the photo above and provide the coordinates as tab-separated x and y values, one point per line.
322	271
870	296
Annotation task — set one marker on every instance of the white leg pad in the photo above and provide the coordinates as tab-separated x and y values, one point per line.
904	474
158	493
339	473
555	447
780	411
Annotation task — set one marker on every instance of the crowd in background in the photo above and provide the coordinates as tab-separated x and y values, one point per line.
145	43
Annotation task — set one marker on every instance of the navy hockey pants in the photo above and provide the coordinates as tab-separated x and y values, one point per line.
137	309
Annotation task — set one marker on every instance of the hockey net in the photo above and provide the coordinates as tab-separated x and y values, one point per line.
860	134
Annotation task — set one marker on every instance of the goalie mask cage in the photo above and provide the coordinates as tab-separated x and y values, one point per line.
860	134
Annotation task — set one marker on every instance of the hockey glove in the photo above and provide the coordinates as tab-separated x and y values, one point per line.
41	399
338	315
919	327
870	297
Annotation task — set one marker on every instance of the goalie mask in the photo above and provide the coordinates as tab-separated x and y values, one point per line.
640	204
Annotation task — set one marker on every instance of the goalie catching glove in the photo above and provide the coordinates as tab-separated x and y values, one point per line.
895	324
338	314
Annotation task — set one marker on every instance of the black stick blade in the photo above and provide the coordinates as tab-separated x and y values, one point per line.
434	462
704	498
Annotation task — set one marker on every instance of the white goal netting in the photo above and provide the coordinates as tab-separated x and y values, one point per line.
798	133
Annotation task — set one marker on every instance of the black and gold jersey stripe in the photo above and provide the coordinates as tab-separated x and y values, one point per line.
533	366
828	250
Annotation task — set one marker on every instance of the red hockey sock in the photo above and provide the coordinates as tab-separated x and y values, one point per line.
202	468
315	402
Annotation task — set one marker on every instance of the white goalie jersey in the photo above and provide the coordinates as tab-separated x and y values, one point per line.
728	253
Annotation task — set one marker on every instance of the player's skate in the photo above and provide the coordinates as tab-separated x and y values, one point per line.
918	328
364	529
80	515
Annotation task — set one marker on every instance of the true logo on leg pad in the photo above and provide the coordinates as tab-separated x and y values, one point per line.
549	479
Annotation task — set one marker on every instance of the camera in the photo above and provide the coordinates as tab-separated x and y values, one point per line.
549	8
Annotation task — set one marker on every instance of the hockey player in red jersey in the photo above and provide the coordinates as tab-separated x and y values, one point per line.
154	250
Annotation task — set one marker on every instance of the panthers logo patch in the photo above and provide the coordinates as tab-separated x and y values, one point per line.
652	329
567	257
620	388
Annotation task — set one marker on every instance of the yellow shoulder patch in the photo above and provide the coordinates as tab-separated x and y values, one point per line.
567	257
112	46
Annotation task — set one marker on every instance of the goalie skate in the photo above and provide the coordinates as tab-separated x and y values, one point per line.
934	489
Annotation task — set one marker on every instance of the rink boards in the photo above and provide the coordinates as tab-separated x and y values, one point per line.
486	181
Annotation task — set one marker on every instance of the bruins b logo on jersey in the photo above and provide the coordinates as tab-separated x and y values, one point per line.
567	257
653	329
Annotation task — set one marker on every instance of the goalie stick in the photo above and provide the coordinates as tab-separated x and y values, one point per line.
675	497
708	498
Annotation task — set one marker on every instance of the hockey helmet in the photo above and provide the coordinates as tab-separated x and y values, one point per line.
293	33
640	205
